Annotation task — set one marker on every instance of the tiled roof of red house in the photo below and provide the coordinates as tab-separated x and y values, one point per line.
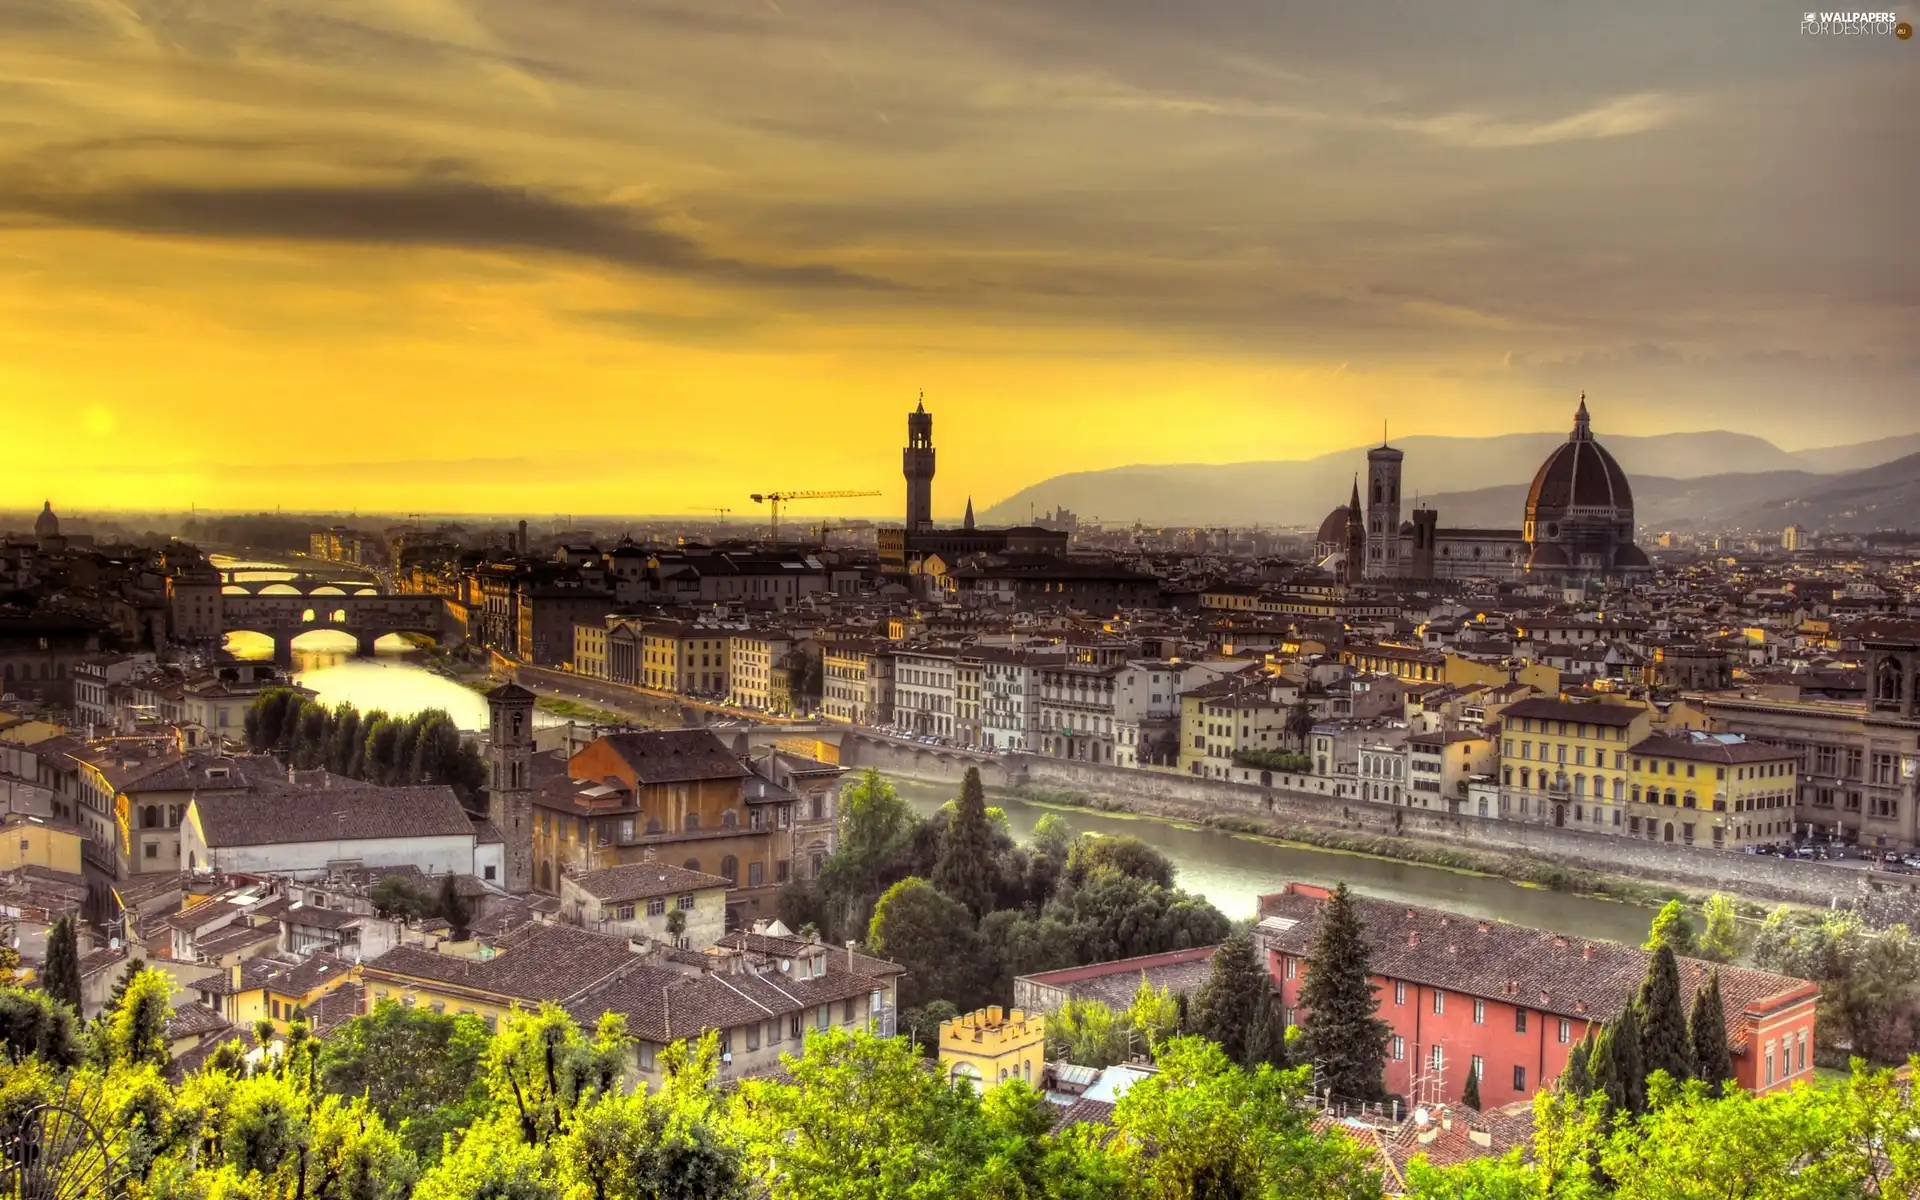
1514	964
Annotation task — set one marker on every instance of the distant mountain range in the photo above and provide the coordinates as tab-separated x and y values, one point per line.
1680	480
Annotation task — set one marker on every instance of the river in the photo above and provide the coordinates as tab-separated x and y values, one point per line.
1229	869
1232	870
396	679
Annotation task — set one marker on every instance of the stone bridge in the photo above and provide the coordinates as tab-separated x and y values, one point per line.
860	748
304	585
367	615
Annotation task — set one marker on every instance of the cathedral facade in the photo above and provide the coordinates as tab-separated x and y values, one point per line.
1576	528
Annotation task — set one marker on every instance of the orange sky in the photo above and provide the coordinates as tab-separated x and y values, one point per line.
622	256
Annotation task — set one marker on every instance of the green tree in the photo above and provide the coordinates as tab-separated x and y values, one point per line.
1869	994
1672	929
1664	1045
1721	939
1234	999
396	897
930	934
1470	1093
345	740
492	1162
1087	1033
877	833
662	1145
1120	916
1202	1127
268	716
135	1032
1577	1080
965	868
856	1116
60	970
419	1070
1300	722
454	908
1267	1040
128	974
1345	1038
1689	1146
1153	1013
1624	1079
1707	1035
381	751
1124	855
35	1026
312	736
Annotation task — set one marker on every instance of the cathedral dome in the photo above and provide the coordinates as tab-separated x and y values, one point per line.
1333	530
47	525
1579	475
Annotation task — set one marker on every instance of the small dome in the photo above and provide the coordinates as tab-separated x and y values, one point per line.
47	525
1406	527
1580	474
1333	530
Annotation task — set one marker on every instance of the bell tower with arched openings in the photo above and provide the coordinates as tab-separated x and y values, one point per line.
509	779
1893	671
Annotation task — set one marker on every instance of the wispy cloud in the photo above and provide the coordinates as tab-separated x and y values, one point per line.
1621	116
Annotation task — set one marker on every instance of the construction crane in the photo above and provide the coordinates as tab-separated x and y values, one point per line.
722	511
773	501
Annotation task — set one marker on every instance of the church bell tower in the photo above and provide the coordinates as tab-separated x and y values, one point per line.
509	779
916	462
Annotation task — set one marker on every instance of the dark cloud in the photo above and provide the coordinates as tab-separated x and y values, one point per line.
420	212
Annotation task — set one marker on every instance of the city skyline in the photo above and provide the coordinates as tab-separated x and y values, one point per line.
456	257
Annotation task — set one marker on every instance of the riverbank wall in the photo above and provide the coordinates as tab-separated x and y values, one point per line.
650	708
1412	834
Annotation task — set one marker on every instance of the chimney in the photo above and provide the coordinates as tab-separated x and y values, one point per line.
1486	927
1559	942
1586	952
1413	937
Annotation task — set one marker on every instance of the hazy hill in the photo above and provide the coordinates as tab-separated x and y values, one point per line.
1301	492
1833	460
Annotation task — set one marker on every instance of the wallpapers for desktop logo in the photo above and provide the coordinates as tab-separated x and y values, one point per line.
1855	24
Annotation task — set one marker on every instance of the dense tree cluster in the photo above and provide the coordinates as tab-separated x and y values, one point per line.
389	751
1657	1037
402	1103
965	909
1869	978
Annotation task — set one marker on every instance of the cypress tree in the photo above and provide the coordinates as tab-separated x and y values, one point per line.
1470	1095
1629	1068
1603	1068
1664	1044
1183	1019
453	907
1344	1037
1230	1003
60	973
1267	1039
1577	1079
1712	1061
964	868
134	966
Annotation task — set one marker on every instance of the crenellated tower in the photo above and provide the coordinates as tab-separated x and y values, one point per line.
916	462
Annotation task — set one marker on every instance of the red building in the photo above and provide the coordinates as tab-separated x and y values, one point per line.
1462	993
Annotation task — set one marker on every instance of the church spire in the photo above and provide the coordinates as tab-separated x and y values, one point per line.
1582	431
1354	504
969	519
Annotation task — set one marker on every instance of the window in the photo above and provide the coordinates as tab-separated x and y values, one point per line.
1399	992
1399	1049
1520	1080
773	1032
1293	966
1437	1059
1479	1012
657	907
1565	1033
1439	1003
825	1016
730	868
753	1036
1478	1068
1769	1064
846	1013
153	849
756	874
1519	1020
686	902
623	913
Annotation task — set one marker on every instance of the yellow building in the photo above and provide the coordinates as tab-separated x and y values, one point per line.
1710	789
271	988
989	1046
41	842
1567	762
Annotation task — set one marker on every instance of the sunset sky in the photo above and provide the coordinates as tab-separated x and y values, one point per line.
623	256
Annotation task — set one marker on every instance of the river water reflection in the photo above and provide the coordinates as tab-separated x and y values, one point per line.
396	679
1232	871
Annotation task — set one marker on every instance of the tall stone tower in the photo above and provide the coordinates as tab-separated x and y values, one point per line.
1383	513
509	779
916	462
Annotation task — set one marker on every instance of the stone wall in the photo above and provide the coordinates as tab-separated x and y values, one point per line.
1188	798
935	764
649	707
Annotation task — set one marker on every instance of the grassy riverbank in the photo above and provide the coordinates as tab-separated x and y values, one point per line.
1526	870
